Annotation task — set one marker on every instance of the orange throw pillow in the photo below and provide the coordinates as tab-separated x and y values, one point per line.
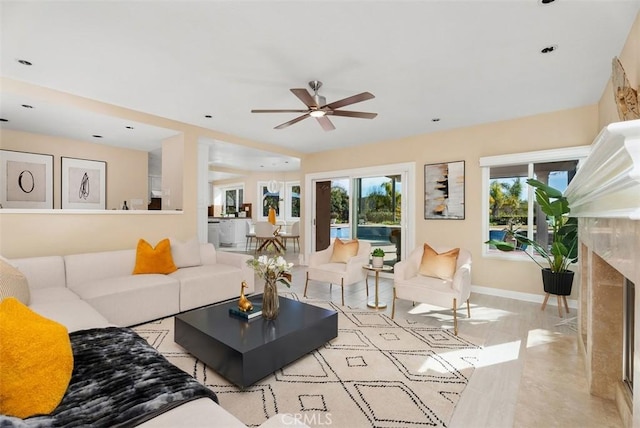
154	260
441	266
343	251
36	361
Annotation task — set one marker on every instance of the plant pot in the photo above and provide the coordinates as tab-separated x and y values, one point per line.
558	283
377	261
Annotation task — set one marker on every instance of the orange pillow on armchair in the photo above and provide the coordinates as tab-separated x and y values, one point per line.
437	265
343	251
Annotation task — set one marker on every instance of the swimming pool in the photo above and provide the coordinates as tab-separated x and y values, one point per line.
340	231
374	232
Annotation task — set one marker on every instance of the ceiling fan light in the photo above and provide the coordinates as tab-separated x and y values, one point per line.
316	113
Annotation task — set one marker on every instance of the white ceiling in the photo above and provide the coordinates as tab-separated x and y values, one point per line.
465	62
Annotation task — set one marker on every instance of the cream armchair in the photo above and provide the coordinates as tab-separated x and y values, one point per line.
321	268
409	284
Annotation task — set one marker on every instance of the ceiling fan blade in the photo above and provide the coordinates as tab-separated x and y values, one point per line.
358	114
350	100
325	123
279	111
292	121
305	97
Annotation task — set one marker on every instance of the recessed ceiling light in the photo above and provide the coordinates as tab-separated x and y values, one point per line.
27	106
549	49
129	127
2	119
546	1
96	136
435	119
208	116
24	62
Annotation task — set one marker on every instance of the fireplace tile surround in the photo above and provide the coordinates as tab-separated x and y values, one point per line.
609	254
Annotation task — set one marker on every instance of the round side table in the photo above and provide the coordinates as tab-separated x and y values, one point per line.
376	304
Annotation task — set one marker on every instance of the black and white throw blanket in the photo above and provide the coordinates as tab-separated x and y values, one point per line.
118	380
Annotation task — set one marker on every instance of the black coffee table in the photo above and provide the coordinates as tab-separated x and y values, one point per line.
246	351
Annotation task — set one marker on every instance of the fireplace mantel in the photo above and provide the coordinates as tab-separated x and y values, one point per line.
607	185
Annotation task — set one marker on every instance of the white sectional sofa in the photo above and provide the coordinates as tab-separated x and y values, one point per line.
105	282
95	290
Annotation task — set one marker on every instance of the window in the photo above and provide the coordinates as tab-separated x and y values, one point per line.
509	203
285	200
292	205
268	199
232	198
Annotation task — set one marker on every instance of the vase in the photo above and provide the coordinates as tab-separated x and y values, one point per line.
270	301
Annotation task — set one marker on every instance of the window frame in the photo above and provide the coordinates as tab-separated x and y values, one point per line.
578	153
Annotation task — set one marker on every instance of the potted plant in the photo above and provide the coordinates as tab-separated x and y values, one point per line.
377	257
563	249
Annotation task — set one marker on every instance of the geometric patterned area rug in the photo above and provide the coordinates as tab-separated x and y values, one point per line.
378	372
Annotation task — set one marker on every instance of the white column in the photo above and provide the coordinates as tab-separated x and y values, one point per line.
202	190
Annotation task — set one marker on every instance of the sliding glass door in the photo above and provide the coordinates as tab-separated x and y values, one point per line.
366	204
377	206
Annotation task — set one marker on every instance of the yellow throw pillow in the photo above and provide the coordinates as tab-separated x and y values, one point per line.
343	251
13	283
441	266
36	359
154	260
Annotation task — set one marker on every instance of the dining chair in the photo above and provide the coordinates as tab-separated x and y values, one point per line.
266	235
250	235
293	235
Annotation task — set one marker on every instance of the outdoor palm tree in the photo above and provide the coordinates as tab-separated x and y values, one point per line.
504	199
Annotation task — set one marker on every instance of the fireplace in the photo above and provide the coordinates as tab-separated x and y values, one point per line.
605	196
607	259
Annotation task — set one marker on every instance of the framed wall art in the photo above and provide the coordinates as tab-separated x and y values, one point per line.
26	180
84	184
444	191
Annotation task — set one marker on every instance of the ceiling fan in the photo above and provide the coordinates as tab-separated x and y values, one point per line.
317	107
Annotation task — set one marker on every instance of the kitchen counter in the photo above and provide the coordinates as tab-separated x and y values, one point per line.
231	233
228	218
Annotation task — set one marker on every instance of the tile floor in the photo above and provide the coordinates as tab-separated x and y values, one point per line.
513	385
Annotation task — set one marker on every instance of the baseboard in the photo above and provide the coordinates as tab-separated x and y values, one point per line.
517	295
